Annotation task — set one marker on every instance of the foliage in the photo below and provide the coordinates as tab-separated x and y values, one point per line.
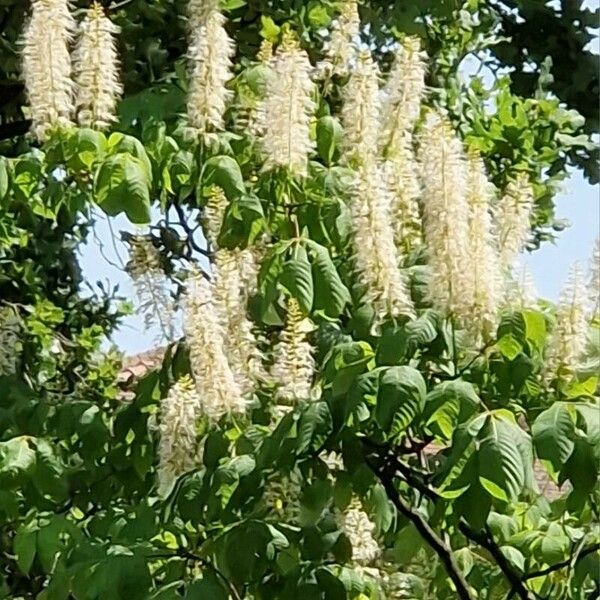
440	441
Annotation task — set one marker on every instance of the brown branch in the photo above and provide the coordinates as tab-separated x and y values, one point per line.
485	540
426	532
565	563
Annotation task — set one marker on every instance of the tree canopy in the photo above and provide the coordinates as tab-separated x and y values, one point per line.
368	399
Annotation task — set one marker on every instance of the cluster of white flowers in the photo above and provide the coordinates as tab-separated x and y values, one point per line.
361	110
375	255
359	529
178	450
210	54
9	341
96	70
594	280
213	213
341	48
569	337
446	215
521	292
484	266
294	366
151	285
513	217
234	272
219	392
287	110
403	94
47	65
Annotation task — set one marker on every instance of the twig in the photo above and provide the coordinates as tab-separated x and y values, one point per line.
427	533
563	564
485	540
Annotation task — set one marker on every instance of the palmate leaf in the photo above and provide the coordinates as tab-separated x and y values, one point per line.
553	433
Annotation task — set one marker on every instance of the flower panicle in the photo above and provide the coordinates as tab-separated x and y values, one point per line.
178	450
210	55
594	280
376	257
234	276
47	65
217	388
569	338
403	93
287	109
445	215
342	46
96	70
151	285
514	219
402	181
360	110
213	214
294	368
484	267
359	529
520	288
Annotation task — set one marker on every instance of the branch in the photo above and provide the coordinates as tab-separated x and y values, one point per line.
189	231
14	129
562	564
426	532
485	540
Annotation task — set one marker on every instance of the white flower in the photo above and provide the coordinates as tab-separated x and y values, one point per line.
178	447
151	285
198	11
9	341
342	46
403	94
210	54
594	280
484	268
232	271
445	215
213	213
288	108
521	292
294	366
375	255
47	65
513	216
360	110
359	529
215	382
402	182
96	70
568	340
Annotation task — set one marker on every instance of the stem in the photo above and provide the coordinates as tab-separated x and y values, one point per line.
427	533
565	563
485	540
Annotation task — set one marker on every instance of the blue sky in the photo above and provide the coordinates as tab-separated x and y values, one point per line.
579	203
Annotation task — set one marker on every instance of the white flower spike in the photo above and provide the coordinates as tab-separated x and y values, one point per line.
47	65
96	70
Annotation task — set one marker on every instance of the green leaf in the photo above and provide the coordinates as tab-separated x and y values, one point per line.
501	469
296	277
344	363
330	293
329	136
121	143
85	148
224	172
24	548
400	397
515	557
243	222
553	433
535	328
509	346
269	30
449	403
3	177
122	185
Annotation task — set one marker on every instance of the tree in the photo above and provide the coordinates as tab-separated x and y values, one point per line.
365	390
